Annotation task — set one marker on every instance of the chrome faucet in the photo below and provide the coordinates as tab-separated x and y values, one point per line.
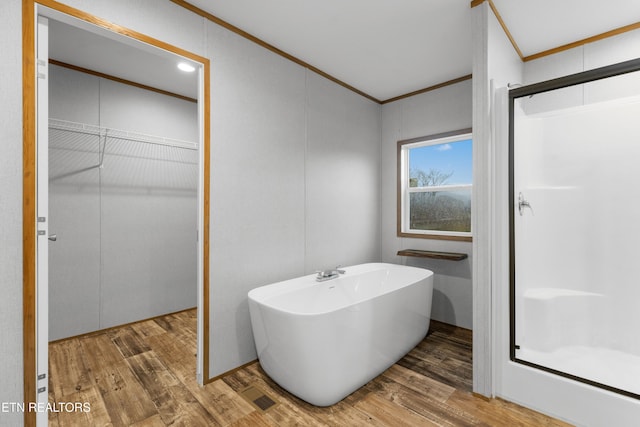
329	274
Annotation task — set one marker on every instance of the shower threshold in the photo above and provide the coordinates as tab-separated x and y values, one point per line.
601	366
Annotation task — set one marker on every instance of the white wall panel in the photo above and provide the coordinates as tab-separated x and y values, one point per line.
74	96
11	208
607	52
623	47
391	132
553	66
74	216
74	259
604	52
437	111
139	110
441	110
257	185
162	20
342	179
148	256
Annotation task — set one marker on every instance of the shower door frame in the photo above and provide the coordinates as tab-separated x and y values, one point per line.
530	90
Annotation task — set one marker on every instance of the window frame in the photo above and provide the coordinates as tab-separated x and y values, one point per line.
404	190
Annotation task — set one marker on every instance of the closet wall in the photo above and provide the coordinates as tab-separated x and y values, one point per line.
126	231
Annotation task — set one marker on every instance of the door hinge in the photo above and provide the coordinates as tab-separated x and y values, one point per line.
42	389
42	376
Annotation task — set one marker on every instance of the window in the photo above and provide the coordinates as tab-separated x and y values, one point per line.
434	186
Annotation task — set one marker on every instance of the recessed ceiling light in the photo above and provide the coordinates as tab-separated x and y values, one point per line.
186	67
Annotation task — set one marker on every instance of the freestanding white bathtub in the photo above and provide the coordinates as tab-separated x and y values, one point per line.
323	340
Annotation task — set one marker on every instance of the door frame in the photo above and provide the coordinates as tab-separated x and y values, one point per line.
29	209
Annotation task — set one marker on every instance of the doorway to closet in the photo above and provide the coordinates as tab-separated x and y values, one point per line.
123	190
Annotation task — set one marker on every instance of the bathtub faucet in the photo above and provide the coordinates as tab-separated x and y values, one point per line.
329	274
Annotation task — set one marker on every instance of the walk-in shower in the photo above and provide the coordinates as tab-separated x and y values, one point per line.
575	227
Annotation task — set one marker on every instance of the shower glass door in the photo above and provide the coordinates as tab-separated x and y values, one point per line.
575	227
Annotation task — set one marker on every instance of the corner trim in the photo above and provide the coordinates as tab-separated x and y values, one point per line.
428	89
605	35
494	9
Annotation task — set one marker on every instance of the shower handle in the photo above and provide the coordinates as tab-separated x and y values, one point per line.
53	237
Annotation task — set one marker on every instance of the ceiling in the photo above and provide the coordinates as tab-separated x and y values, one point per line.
383	48
390	48
135	62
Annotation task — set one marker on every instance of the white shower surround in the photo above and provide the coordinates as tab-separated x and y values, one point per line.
577	295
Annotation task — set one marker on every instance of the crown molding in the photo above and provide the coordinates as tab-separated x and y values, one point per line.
428	89
605	35
120	80
552	51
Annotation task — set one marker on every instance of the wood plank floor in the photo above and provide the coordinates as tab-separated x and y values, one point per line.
144	375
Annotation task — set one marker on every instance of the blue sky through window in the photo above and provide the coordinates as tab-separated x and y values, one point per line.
449	157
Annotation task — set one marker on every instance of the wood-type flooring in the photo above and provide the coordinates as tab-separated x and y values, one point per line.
144	375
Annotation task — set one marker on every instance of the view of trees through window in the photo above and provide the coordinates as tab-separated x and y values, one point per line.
443	211
440	186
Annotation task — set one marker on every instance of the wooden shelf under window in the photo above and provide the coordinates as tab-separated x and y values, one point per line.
452	256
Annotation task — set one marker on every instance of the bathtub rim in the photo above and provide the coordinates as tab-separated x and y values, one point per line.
303	282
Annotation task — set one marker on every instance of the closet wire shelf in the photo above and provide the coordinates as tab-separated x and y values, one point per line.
120	134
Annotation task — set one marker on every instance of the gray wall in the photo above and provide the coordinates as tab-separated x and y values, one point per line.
441	110
126	247
11	208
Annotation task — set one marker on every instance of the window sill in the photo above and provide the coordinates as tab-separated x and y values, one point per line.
435	236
